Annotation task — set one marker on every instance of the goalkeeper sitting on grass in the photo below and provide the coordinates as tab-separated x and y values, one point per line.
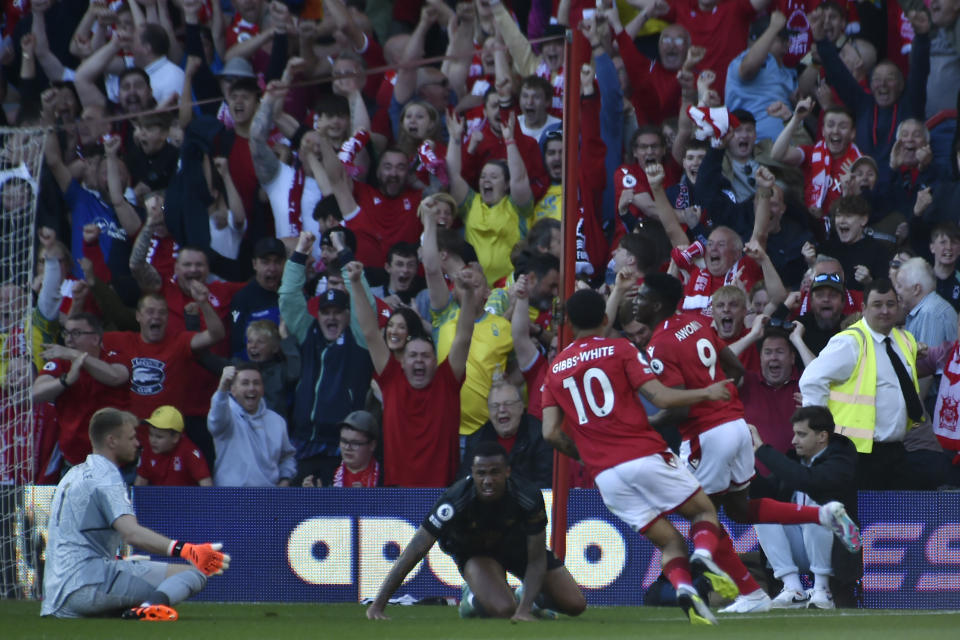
91	515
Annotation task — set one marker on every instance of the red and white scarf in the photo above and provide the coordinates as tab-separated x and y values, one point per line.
712	124
349	150
369	477
295	200
555	78
946	414
240	31
819	179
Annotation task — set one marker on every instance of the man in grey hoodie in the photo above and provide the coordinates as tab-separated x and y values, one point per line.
253	449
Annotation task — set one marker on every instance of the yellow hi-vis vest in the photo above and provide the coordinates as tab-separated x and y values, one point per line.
853	402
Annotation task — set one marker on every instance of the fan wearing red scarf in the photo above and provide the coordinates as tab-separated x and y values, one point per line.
359	433
293	191
824	163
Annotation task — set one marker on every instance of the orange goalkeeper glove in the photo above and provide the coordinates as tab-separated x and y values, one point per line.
206	557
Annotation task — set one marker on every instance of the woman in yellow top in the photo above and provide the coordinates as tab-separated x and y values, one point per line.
494	219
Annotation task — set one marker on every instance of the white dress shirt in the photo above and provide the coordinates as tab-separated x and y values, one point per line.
166	79
836	363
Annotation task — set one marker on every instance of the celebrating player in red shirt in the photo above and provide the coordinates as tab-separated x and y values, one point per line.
593	382
685	352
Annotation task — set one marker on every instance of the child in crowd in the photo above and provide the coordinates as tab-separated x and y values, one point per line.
864	258
169	458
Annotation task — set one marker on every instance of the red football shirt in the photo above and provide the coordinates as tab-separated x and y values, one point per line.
594	382
203	382
421	428
220	295
162	254
650	106
722	30
77	404
534	376
684	350
492	147
750	358
769	409
239	30
182	467
245	179
380	222
159	372
632	176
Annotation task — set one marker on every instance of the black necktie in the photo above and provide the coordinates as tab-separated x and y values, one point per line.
914	406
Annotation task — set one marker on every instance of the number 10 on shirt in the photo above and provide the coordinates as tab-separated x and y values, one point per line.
599	409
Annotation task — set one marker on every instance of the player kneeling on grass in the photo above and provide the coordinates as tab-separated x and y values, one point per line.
91	516
491	523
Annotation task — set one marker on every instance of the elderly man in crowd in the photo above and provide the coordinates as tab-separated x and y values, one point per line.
930	318
529	456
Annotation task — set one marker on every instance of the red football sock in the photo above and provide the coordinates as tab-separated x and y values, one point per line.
771	511
727	559
705	535
678	572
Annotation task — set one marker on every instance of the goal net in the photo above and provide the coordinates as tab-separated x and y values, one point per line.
21	155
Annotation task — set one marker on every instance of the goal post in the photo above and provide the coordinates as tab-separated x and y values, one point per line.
21	158
568	270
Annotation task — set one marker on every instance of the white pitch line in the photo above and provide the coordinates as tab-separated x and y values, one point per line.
859	613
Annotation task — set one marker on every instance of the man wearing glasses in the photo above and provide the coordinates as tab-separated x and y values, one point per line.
359	434
529	456
80	376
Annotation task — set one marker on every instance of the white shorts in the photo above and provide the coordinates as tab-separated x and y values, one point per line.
640	491
721	459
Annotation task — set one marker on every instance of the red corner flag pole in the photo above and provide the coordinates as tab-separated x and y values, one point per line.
571	141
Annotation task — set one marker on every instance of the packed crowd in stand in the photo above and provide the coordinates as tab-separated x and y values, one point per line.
302	256
230	195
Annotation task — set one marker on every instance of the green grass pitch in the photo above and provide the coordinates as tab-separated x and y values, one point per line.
199	621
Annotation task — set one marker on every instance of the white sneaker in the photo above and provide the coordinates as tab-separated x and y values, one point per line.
466	609
834	517
756	602
790	599
820	599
